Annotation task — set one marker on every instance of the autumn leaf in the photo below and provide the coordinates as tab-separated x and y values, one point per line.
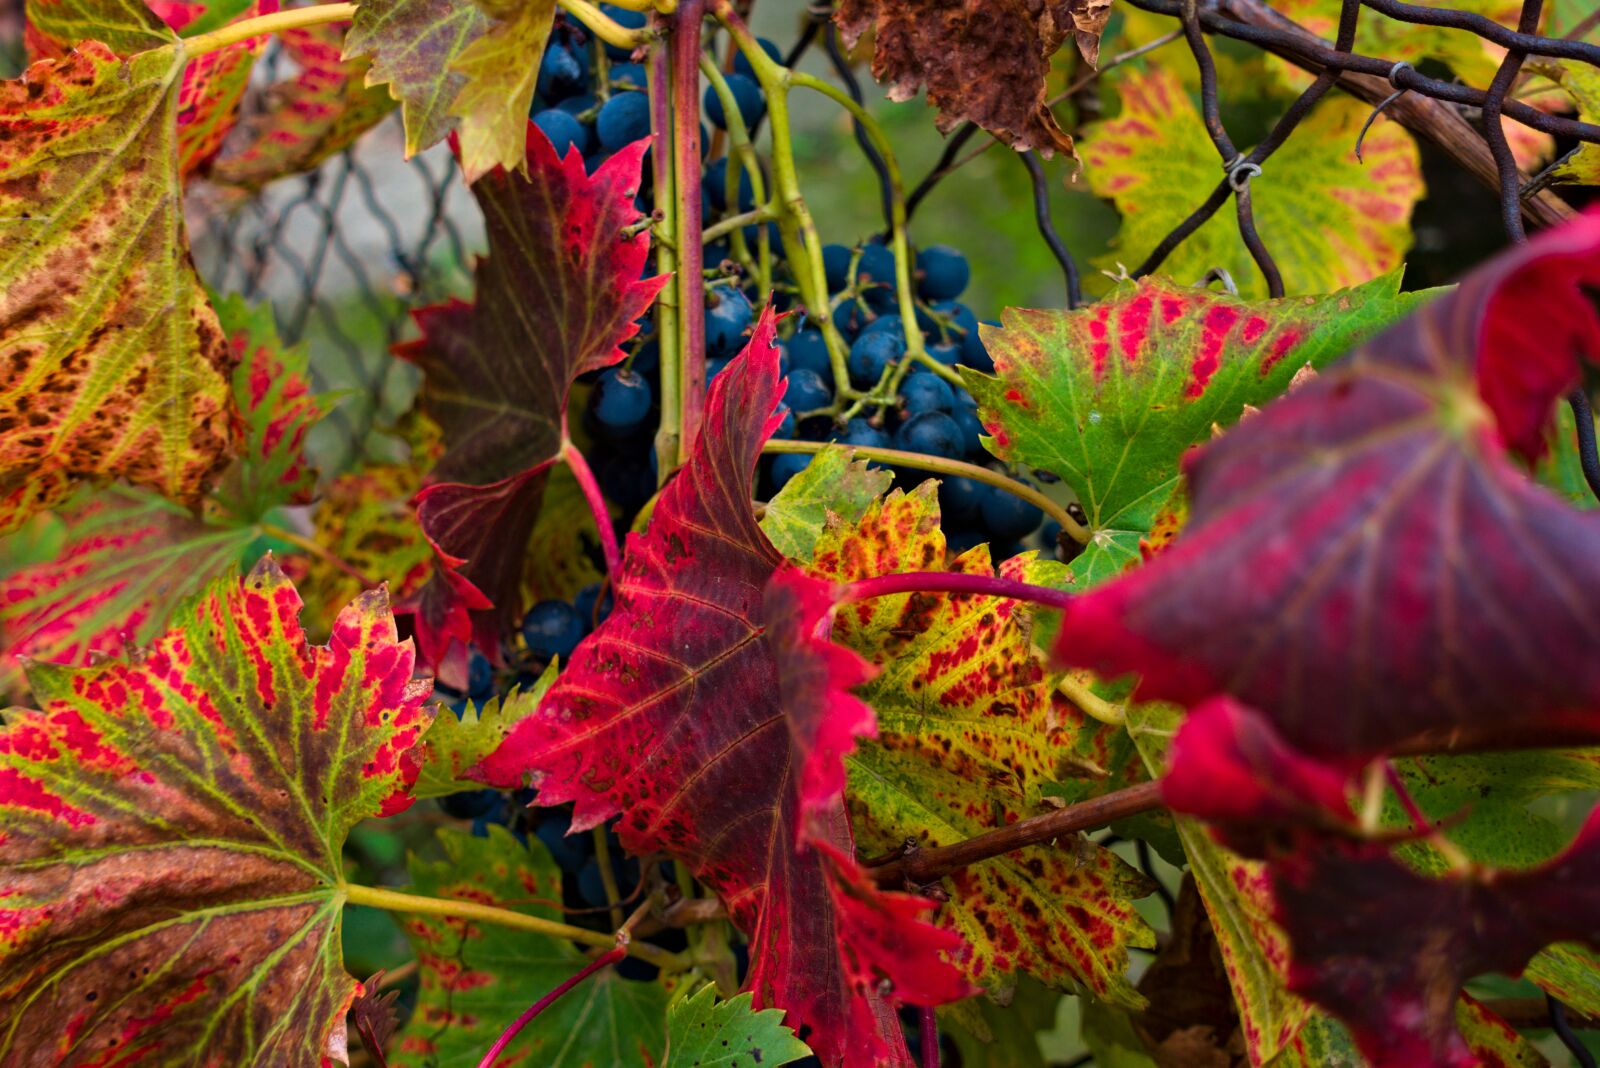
477	979
669	715
833	483
981	62
412	46
1373	513
310	117
213	84
129	559
276	409
173	827
1109	397
703	1032
114	365
1329	220
501	69
968	733
557	295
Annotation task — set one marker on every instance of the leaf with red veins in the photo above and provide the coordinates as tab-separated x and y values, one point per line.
669	714
1227	765
173	824
969	736
129	559
1362	561
310	117
557	295
983	61
1387	950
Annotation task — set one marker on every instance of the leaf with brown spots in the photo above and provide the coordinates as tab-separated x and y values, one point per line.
213	84
982	61
111	362
969	730
834	483
412	46
453	747
476	979
170	881
1110	396
669	714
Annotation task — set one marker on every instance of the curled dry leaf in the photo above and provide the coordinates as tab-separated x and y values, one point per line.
981	61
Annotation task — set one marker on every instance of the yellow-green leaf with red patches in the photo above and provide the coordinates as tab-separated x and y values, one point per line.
476	979
1329	219
129	559
1110	396
111	362
170	883
969	731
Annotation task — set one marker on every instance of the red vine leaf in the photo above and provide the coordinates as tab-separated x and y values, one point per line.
310	117
558	293
173	828
669	714
983	61
111	361
1387	950
1364	564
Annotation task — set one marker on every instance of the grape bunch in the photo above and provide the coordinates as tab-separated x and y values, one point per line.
593	96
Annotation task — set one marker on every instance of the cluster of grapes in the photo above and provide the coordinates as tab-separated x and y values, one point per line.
592	95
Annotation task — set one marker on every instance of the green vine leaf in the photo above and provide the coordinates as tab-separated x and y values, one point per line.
969	732
703	1032
1330	220
170	873
476	979
833	483
413	46
1109	397
453	747
111	362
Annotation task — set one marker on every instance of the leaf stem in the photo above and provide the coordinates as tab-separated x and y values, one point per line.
606	28
684	48
603	961
941	466
919	867
1091	703
379	897
608	874
573	458
954	582
326	555
294	18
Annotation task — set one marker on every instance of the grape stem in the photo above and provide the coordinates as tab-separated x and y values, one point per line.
956	582
603	961
740	148
939	465
685	52
579	467
216	40
379	897
669	434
